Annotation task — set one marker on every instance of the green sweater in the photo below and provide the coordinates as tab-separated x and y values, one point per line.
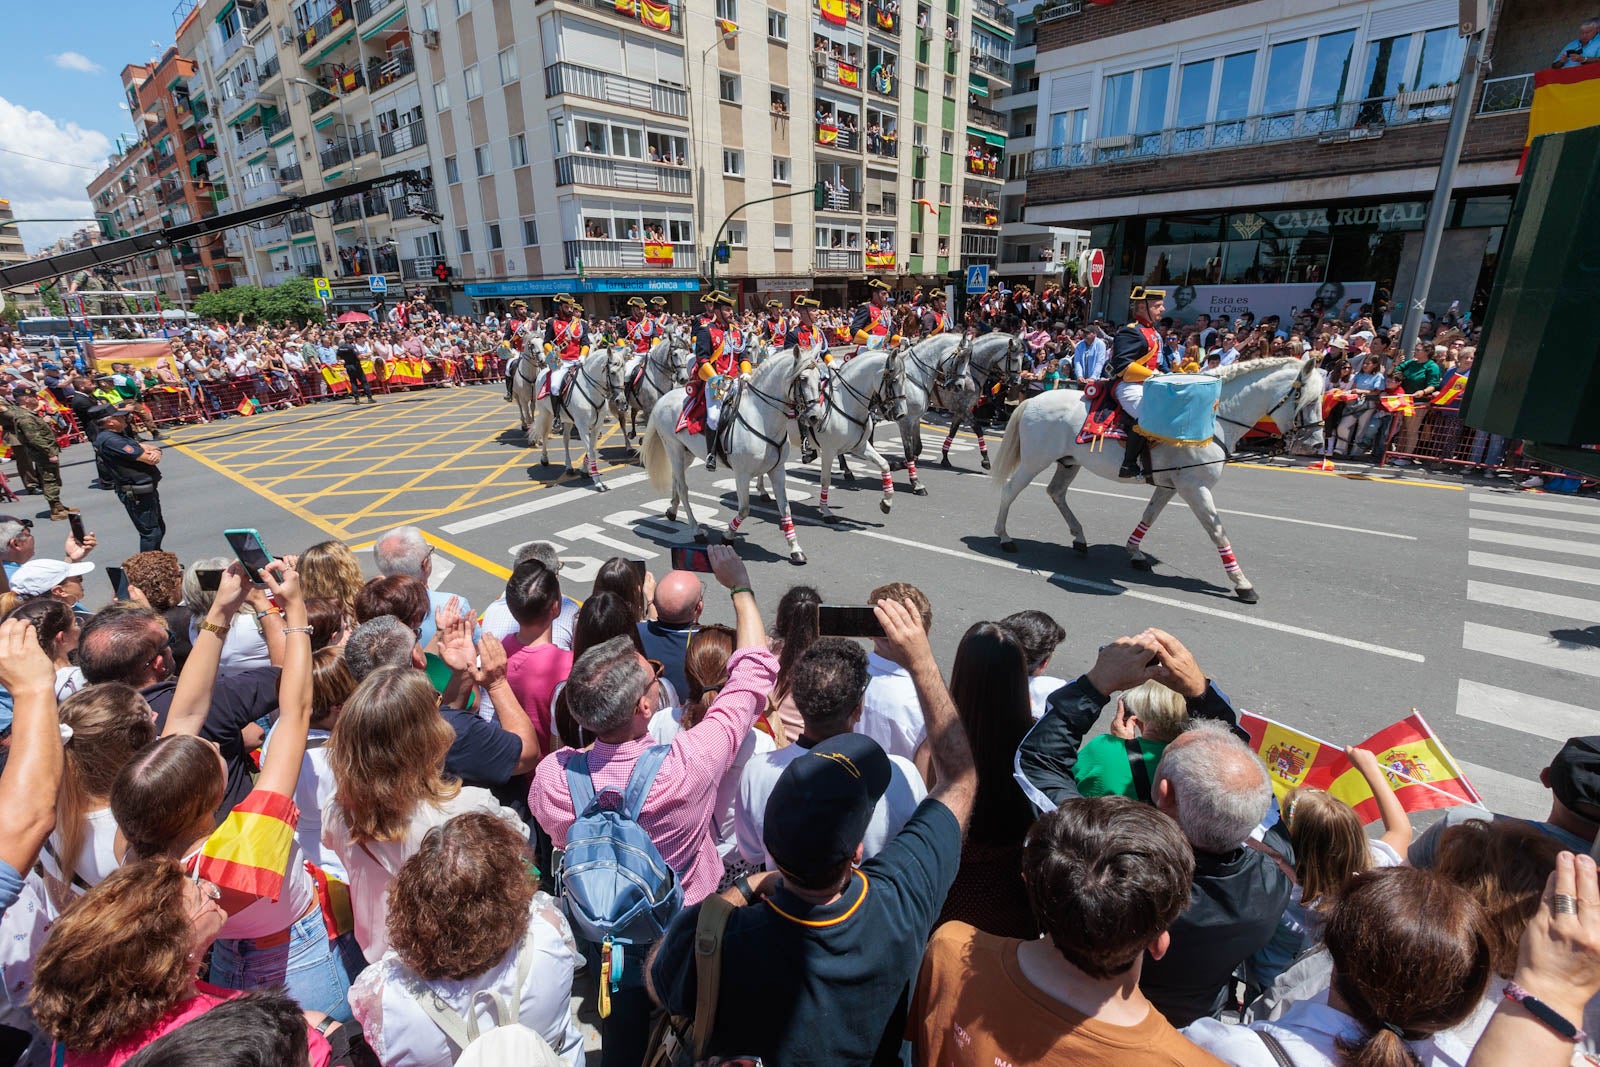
1103	769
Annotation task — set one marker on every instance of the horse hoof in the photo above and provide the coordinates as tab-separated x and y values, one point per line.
831	520
700	537
1080	547
600	487
1008	546
885	505
919	490
1249	596
944	461
797	558
984	462
1141	564
544	461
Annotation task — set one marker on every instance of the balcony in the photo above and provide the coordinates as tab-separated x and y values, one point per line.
832	70
1354	120
836	137
886	210
365	9
332	87
251	143
410	135
845	200
603	254
846	259
268	70
995	13
273	278
1511	93
979	115
420	269
384	72
631	93
308	38
252	15
230	48
989	168
622	174
275	124
169	194
299	223
1000	68
186	256
254	194
650	18
162	162
356	261
232	244
981	216
883	145
291	173
400	207
882	19
1062	9
350	209
269	236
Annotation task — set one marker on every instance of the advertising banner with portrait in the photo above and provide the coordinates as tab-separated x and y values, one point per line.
1186	303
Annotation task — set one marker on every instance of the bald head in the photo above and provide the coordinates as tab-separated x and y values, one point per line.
679	598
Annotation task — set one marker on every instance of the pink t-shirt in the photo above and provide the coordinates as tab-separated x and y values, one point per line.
209	997
533	672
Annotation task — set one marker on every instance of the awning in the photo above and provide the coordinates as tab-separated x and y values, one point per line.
978	85
385	24
195	163
308	239
325	120
244	115
998	140
227	9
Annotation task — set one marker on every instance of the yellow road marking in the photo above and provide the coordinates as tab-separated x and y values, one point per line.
1351	476
450	548
273	498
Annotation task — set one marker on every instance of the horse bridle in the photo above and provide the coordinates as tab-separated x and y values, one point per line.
876	402
790	404
608	389
669	368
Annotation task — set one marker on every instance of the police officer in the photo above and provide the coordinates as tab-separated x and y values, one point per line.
37	449
873	323
1136	356
134	474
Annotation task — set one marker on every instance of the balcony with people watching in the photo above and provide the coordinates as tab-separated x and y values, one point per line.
618	239
841	187
836	63
984	160
883	134
335	17
621	154
837	127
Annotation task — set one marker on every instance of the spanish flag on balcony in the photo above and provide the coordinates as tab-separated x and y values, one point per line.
627	7
827	134
1564	99
727	27
849	76
880	260
854	7
884	19
658	253
833	11
656	15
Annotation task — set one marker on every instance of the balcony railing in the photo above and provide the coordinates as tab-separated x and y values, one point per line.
169	194
885	146
186	256
420	269
355	261
252	14
409	135
988	168
382	72
270	236
1511	93
252	142
319	30
344	149
1062	9
995	13
835	71
1353	120
365	9
300	223
333	86
400	207
602	254
291	173
889	208
275	124
254	194
991	64
230	48
268	70
848	200
641	14
979	115
830	136
615	89
882	18
584	169
350	209
981	216
163	162
839	259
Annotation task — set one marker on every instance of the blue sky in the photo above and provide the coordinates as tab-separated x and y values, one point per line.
60	88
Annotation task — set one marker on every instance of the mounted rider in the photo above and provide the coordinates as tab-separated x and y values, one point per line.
803	335
719	346
1136	357
516	322
659	316
934	319
873	323
775	327
566	341
640	330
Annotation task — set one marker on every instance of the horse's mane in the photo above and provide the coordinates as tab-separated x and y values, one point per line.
1254	366
764	371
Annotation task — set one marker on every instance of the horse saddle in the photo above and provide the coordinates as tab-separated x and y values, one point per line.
636	379
1106	420
558	403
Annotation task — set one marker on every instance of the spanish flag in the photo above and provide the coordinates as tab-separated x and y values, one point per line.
833	11
1419	769
656	15
854	7
880	260
1564	99
1399	403
1451	392
726	27
627	7
658	253
849	76
249	852
1291	756
247	406
827	134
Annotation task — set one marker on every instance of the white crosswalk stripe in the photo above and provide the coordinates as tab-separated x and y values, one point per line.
1537	568
1510	596
1548	544
1537	502
1554	719
1541	521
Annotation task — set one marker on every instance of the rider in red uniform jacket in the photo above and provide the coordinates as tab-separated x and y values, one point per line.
515	321
934	318
640	329
1136	356
875	318
566	340
804	334
658	314
775	327
718	351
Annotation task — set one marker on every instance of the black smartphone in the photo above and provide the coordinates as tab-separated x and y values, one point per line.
119	582
691	558
640	567
75	521
836	621
251	550
210	578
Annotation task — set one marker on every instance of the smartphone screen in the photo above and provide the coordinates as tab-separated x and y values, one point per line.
119	582
74	520
834	621
639	567
210	579
691	558
251	550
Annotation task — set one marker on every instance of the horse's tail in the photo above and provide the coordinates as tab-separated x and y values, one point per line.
653	454
1010	455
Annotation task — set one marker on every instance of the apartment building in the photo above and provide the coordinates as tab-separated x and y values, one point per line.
12	252
1033	254
160	177
598	146
1210	145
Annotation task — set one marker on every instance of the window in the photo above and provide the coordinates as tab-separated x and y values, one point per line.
1194	94
452	173
430	15
427	244
916	244
463	241
483	159
728	88
732	163
1153	82
494	235
780	100
1411	61
944	194
530	232
441	96
1116	105
1330	68
777	25
627	141
519	150
782	236
780	170
508	66
946	142
922	77
919	135
735	232
728	10
474	82
1233	89
462	7
1286	62
950	88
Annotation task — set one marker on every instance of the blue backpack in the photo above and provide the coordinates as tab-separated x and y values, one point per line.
616	886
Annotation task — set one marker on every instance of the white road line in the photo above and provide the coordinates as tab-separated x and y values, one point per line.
1564	525
1539	716
1508	596
1537	568
442	566
1535	502
1247	514
539	503
1508	794
1118	590
1543	544
1538	649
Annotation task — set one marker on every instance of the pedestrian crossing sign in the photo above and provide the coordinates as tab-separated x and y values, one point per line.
977	279
378	283
324	290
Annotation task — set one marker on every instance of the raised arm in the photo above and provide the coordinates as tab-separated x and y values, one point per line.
280	767
953	770
489	671
1397	831
191	701
730	571
33	772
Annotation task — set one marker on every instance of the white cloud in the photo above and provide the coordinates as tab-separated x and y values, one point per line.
77	61
39	189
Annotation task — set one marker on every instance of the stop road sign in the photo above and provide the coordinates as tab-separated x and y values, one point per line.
1097	267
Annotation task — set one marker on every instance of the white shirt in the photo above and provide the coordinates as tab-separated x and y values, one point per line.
667	723
372	868
312	792
1039	689
891	714
244	647
1307	1032
68	681
906	790
403	1035
97	856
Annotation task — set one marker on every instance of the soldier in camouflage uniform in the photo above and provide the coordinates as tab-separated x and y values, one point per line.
35	443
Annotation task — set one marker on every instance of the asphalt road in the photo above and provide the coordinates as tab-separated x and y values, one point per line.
1474	605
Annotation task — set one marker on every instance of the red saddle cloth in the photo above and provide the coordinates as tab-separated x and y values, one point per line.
1104	420
693	418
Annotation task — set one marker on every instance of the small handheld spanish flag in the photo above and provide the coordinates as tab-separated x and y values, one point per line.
1452	391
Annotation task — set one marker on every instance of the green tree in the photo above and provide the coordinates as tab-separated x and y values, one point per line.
52	299
294	301
227	305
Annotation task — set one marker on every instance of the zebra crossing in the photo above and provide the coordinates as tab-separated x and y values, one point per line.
1532	613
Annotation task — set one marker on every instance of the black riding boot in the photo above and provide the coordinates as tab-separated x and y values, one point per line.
1135	449
711	448
509	383
808	447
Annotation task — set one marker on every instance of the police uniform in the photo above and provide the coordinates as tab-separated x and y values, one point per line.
1135	357
565	342
775	328
135	481
641	332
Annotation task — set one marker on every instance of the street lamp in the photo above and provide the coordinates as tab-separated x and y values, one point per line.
355	169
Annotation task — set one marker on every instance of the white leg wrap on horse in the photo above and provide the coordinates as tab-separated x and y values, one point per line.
1230	562
824	498
787	525
911	469
733	523
983	446
1138	534
888	484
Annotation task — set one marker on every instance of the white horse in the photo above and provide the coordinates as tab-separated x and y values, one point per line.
596	381
788	385
996	362
1044	430
647	378
861	391
951	369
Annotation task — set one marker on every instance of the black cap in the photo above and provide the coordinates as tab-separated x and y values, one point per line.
1575	776
103	411
819	810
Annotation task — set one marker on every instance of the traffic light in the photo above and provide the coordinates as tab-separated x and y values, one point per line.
819	196
441	271
723	254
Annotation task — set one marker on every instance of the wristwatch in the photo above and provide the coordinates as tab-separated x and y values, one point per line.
220	631
742	884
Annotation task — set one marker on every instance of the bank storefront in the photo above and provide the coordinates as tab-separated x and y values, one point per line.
1289	255
603	296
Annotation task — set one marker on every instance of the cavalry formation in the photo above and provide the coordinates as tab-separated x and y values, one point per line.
785	400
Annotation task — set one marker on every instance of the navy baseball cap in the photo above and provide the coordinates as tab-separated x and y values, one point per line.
1575	776
819	810
104	411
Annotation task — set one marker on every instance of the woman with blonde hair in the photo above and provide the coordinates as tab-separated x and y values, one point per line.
1122	762
329	569
386	752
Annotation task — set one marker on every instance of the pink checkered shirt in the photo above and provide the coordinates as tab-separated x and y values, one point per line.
678	809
